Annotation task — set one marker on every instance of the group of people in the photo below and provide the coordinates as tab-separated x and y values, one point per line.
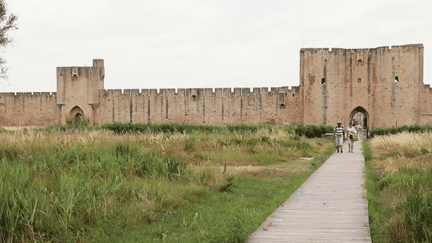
340	132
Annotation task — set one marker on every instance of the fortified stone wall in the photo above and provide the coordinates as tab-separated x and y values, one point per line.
201	106
386	82
29	109
425	105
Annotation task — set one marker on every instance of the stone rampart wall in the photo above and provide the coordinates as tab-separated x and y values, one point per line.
384	83
426	105
220	106
29	109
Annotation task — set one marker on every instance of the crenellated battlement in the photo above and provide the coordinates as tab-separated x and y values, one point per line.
258	105
385	83
410	47
28	109
16	95
201	91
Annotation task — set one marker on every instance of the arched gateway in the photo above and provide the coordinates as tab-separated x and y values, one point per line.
359	118
76	113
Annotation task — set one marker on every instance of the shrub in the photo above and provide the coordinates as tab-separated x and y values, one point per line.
400	129
189	146
265	139
78	122
312	131
71	125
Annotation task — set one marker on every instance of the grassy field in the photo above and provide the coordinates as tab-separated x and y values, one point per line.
399	184
93	185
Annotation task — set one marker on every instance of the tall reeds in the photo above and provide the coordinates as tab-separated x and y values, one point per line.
399	187
84	185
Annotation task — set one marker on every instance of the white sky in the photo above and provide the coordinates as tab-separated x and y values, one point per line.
200	44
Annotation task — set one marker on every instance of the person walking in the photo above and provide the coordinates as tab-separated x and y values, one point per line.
338	134
351	131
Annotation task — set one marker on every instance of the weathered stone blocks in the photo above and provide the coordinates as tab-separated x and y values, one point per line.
385	84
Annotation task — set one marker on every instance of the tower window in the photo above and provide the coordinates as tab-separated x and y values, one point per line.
396	79
323	81
359	80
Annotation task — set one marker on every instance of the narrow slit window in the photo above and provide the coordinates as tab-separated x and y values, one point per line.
323	81
359	80
396	79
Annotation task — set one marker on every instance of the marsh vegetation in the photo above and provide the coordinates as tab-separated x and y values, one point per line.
399	183
78	183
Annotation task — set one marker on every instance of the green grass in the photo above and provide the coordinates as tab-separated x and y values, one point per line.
223	217
312	131
66	195
95	186
367	151
374	208
398	189
219	217
400	129
122	128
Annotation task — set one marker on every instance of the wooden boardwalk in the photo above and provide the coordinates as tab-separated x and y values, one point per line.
329	207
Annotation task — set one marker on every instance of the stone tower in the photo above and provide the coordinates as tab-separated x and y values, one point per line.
78	90
382	83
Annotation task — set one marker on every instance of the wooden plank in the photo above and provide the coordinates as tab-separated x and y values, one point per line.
329	207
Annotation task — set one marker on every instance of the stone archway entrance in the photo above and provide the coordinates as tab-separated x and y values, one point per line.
359	117
76	114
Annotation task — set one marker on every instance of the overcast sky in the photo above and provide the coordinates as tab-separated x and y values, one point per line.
202	44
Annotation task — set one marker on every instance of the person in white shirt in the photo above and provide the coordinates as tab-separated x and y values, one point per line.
351	131
338	134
